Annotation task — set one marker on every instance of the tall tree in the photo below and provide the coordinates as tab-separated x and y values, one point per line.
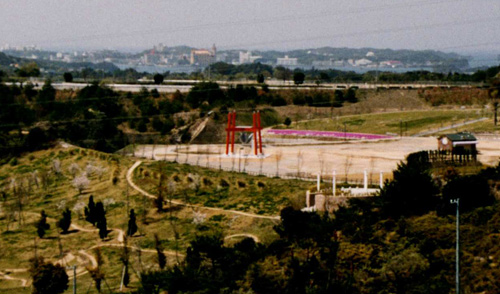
90	213
42	225
158	78
298	78
100	215
260	78
65	222
132	225
162	259
68	77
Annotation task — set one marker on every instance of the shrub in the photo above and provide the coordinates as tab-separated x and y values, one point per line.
47	277
207	182
278	101
223	183
13	161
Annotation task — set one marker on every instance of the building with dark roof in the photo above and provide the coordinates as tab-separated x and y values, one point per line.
462	142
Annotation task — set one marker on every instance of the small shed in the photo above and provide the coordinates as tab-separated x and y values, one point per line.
462	142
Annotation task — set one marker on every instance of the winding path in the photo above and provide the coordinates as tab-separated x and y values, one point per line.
255	238
453	126
92	261
5	276
130	173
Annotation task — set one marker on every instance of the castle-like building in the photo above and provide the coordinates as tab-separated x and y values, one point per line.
203	57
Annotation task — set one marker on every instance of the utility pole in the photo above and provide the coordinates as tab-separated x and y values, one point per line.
74	277
457	250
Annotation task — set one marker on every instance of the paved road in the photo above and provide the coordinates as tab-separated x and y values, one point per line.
186	85
453	126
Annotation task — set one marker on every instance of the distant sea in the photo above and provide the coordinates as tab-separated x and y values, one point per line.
483	59
475	60
190	69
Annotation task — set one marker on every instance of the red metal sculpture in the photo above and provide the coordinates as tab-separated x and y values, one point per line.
254	129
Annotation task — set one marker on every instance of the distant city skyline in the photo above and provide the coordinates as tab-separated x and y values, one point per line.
461	26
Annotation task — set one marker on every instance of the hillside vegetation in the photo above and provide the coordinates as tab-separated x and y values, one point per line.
409	122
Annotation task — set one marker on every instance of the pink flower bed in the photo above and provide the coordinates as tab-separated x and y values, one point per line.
306	133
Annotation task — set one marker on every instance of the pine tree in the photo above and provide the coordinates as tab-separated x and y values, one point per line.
103	228
158	202
90	214
99	212
162	259
65	222
100	219
132	225
42	224
126	277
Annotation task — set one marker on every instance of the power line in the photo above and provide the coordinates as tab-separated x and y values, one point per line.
252	22
369	32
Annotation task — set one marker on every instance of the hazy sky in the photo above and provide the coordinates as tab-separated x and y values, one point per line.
453	25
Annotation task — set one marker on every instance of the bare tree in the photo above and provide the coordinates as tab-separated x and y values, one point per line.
321	159
45	179
195	180
173	220
347	166
245	160
220	158
278	156
100	171
372	167
81	183
89	169
187	152
155	141
19	192
166	152
56	167
74	169
34	179
198	155
133	145
300	162
9	209
207	155
176	153
124	258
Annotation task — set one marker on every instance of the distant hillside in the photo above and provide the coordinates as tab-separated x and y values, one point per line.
56	66
6	60
59	66
307	56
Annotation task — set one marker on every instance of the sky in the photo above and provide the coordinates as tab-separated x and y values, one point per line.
448	25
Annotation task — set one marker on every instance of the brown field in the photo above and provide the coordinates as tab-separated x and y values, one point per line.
309	157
